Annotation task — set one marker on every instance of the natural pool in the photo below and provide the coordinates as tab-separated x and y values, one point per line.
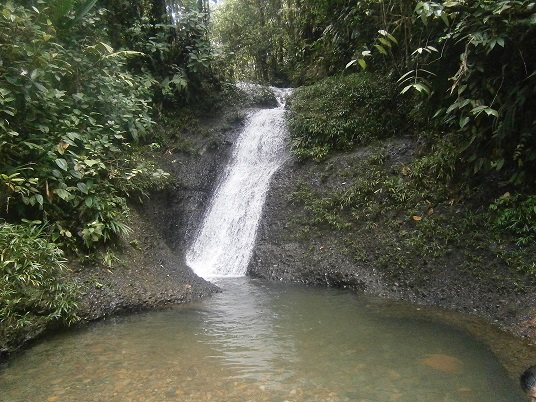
262	341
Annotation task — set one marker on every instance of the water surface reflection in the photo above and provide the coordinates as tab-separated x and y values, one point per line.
259	341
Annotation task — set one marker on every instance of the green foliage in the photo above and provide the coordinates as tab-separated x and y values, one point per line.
370	190
302	41
474	62
180	56
393	212
340	113
177	51
251	34
68	114
65	14
438	166
517	214
32	290
491	94
256	95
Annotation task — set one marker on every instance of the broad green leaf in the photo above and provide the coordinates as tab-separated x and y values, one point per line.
406	89
381	49
107	47
421	88
76	174
82	187
62	164
40	87
478	109
91	162
124	53
464	121
351	63
85	8
491	112
392	38
486	109
406	75
424	19
384	42
63	194
73	136
445	18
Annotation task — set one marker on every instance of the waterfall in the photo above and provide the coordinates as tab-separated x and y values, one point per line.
224	244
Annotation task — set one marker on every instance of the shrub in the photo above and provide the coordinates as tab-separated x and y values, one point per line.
517	214
257	95
32	291
340	113
69	112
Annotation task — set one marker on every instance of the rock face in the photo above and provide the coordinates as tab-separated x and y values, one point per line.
289	248
284	252
178	212
146	268
149	268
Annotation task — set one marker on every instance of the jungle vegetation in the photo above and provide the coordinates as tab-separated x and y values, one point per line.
84	84
470	61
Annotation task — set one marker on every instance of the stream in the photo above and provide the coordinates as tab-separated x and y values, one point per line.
260	340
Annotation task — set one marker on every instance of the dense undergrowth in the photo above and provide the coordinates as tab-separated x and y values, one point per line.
71	115
342	113
33	292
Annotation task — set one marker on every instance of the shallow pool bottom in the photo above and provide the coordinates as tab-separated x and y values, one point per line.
262	341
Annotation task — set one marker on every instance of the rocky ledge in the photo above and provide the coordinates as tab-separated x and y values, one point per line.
291	248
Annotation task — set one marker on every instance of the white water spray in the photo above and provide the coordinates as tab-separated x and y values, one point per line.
224	244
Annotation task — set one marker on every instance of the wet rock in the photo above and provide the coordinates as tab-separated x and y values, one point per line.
288	249
151	271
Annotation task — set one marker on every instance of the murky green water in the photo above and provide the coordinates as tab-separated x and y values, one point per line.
261	341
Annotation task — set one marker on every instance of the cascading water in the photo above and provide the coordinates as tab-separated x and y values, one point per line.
225	242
